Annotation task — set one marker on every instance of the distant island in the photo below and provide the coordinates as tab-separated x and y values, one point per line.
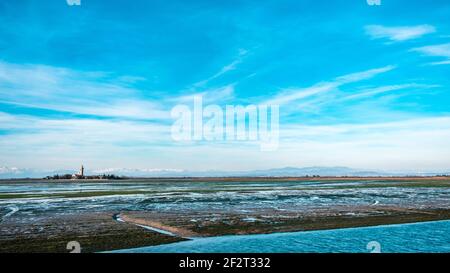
81	175
9	173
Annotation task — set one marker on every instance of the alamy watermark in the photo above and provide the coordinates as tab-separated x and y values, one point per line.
374	247
74	247
374	2
253	123
73	2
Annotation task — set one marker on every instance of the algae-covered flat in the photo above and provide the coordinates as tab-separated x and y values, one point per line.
43	215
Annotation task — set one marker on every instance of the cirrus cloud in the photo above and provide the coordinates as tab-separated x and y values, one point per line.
441	50
398	34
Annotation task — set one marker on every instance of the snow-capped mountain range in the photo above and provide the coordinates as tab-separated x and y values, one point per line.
12	172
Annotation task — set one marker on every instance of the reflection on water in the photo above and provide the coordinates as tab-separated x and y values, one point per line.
405	238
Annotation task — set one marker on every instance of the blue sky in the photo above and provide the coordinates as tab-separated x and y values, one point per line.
359	86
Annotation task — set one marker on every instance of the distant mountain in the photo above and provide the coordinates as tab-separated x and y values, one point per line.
140	172
311	171
7	171
279	172
10	172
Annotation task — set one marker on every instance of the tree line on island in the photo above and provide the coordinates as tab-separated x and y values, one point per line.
71	176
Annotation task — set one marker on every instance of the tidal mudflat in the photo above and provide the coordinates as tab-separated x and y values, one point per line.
43	215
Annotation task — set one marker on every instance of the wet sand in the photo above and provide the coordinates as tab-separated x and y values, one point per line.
270	222
49	230
98	232
94	231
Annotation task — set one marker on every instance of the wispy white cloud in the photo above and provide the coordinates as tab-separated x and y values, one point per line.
293	94
441	50
130	144
232	65
348	102
133	141
70	141
383	144
91	93
225	69
398	34
385	89
368	94
214	95
66	90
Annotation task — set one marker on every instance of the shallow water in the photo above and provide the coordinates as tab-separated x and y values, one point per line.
213	196
405	238
266	201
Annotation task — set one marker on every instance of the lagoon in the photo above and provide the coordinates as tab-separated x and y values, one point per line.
423	237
